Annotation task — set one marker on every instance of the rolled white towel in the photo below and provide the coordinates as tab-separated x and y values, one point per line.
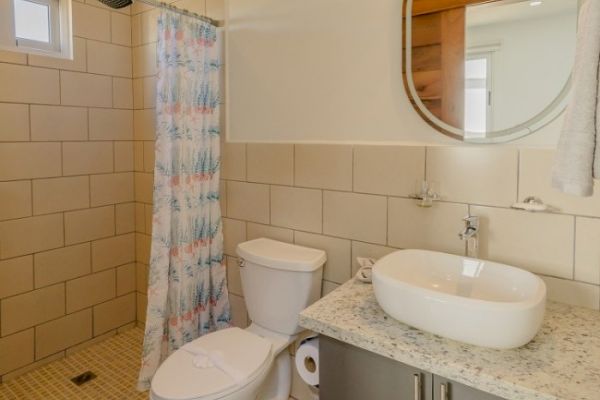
212	359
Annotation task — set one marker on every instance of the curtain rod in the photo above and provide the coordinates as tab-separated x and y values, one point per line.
181	11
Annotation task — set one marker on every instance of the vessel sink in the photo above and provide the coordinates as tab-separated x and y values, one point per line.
470	300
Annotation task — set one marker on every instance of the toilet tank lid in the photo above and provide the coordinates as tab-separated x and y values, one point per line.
283	256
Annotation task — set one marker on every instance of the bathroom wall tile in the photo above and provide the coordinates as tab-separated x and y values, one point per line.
144	60
120	25
271	163
391	170
114	313
571	292
141	277
328	287
142	248
30	367
91	224
16	276
29	235
587	250
79	89
149	91
355	216
123	156
238	311
297	208
535	180
234	233
111	188
479	175
323	166
58	123
16	351
223	197
256	231
540	243
91	289
114	251
434	228
111	124
81	158
233	161
29	160
367	250
32	308
338	266
13	57
123	93
148	215
15	122
144	187
60	194
149	153
144	124
136	30
140	220
125	218
138	156
21	84
248	201
215	9
126	279
15	199
197	6
78	63
141	304
150	26
61	264
91	22
138	93
234	280
62	333
109	59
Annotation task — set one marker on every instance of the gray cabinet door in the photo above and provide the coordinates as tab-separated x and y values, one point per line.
350	373
445	389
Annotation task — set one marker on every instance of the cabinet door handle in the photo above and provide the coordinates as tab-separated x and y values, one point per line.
443	391
417	382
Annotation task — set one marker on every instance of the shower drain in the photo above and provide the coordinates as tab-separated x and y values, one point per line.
83	378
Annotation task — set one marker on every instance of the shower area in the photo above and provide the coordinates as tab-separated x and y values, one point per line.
77	162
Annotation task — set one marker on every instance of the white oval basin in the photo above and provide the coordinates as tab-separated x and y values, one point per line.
473	301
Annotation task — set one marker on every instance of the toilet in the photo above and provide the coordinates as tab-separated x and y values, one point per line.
279	280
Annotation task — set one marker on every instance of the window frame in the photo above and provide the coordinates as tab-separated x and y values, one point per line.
59	22
488	56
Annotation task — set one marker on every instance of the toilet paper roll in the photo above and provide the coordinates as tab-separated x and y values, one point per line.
307	361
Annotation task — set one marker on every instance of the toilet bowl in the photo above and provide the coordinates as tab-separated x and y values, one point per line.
279	280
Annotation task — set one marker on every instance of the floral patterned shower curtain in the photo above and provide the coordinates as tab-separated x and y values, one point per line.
187	289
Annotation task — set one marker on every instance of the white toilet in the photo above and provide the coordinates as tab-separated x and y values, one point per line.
279	280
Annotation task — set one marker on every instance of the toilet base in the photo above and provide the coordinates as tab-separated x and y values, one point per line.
278	384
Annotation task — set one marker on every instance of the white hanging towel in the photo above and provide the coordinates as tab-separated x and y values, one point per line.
577	160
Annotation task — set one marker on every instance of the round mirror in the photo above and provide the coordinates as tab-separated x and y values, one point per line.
489	70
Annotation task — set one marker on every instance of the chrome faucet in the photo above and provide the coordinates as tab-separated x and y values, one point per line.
469	235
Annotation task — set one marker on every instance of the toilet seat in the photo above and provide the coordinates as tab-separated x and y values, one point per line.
178	379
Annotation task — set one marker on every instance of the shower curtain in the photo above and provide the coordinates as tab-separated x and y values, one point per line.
187	289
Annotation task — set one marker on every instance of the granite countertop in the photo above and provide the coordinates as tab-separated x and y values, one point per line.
561	363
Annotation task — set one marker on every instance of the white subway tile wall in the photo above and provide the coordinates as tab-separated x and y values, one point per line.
67	212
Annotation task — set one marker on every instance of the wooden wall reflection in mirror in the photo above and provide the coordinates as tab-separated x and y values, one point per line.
488	70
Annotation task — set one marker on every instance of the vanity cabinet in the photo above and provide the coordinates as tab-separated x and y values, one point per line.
350	373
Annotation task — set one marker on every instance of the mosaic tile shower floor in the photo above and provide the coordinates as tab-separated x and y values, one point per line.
115	361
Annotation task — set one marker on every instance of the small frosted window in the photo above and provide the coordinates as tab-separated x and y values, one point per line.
32	21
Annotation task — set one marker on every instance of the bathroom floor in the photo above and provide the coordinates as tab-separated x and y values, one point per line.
115	362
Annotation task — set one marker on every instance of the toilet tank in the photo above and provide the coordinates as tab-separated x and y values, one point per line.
279	280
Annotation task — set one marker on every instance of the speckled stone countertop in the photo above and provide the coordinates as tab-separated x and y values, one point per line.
561	363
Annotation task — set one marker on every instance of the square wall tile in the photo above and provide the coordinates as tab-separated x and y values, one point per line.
328	287
120	29
126	279
58	123
142	248
78	63
535	179
297	208
144	124
114	251
477	175
16	351
29	160
234	233
144	60
91	289
571	292
16	276
238	311
82	158
109	59
15	122
125	218
13	57
323	166
587	250
144	187
30	235
271	163
234	280
256	231
32	308
233	161
90	224
111	188
21	84
141	277
123	93
149	91
91	22
141	305
62	264
149	156
62	333
60	194
138	93
540	243
114	313
111	124
434	228
123	156
15	199
391	170
80	89
338	266
355	216
248	201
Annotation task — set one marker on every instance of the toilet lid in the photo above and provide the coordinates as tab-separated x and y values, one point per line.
240	351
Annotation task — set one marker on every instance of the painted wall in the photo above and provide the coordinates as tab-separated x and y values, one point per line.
324	71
